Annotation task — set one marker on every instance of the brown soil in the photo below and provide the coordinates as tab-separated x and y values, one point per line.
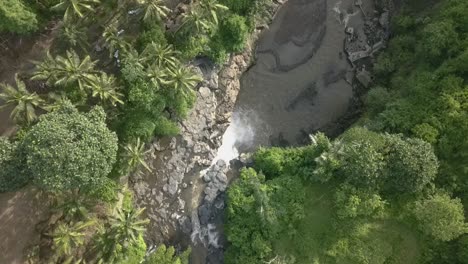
19	214
20	211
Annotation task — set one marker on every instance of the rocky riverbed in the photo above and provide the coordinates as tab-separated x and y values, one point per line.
310	67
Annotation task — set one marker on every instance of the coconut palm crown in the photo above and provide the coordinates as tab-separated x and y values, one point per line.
25	103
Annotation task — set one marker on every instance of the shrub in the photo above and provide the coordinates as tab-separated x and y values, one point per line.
376	100
352	202
411	165
154	33
12	176
16	17
134	253
137	125
233	31
106	192
426	132
241	7
441	217
166	255
166	127
439	38
68	150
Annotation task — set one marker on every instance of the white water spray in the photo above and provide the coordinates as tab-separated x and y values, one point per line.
238	132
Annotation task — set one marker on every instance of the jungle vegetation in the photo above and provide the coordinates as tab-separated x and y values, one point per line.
392	188
114	78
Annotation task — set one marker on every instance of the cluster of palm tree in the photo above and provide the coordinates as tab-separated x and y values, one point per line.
71	70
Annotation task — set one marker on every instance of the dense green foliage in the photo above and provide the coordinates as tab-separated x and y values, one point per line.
16	17
166	255
392	190
259	211
11	174
68	150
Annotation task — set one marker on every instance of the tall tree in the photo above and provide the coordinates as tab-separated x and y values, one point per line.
69	150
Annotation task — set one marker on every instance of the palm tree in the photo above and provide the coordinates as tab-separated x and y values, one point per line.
69	237
154	10
24	102
62	71
72	205
157	75
135	155
195	21
114	41
74	34
211	8
106	89
126	226
161	55
56	101
183	80
75	7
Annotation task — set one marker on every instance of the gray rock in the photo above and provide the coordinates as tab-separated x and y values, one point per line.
246	158
384	20
172	187
364	78
205	92
185	224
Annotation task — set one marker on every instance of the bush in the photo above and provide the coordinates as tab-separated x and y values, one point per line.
240	7
411	165
233	31
376	100
166	255
15	17
166	127
440	38
134	253
352	202
426	132
137	125
106	192
12	176
441	217
154	33
67	150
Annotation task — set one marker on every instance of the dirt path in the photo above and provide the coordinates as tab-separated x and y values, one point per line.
19	214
